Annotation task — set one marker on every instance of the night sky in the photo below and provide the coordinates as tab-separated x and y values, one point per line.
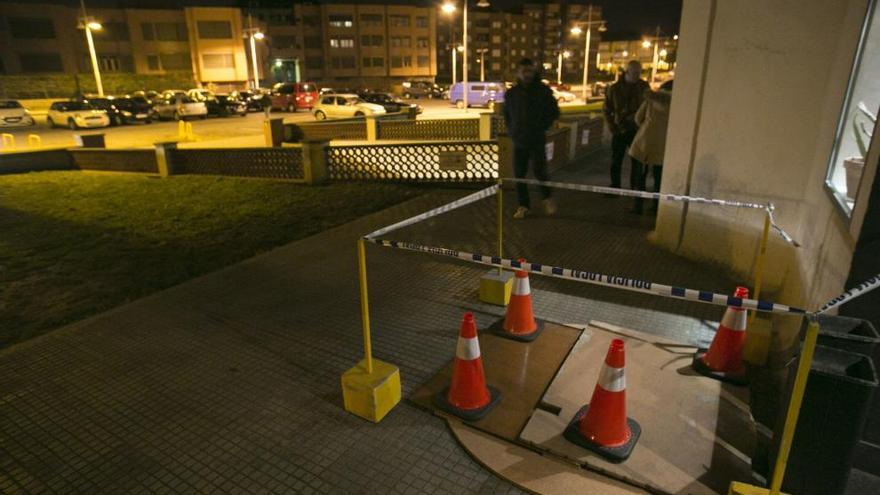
626	18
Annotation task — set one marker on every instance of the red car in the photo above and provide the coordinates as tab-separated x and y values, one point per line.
294	96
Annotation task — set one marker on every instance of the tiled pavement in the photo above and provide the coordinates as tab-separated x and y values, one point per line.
230	382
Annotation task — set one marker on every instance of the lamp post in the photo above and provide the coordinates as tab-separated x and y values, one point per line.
576	30
89	24
448	8
482	52
562	54
254	34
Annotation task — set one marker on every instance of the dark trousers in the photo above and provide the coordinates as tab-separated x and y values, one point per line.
638	180
619	144
523	153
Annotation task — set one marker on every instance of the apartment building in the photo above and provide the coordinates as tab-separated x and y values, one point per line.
613	55
498	40
349	44
45	38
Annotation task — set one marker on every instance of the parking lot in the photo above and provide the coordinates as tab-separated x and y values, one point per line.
228	131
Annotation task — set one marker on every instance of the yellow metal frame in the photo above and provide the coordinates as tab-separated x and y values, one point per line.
34	141
8	140
500	197
365	305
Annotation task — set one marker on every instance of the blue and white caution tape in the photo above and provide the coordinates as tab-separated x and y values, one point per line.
471	198
618	282
664	196
859	290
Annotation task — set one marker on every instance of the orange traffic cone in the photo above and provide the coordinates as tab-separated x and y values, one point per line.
468	396
723	361
519	322
602	425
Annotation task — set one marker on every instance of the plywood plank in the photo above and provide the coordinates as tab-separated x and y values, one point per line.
694	429
521	371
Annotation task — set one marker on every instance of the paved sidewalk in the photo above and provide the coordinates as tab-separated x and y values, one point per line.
230	382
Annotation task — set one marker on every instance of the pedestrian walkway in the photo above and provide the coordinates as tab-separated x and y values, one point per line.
231	382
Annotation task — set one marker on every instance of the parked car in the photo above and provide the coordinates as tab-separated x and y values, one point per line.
480	94
225	105
391	103
255	101
12	114
149	95
562	96
122	110
76	115
175	104
421	89
294	96
598	88
345	105
337	91
556	85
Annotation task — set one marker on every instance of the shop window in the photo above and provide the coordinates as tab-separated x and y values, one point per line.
41	62
218	60
858	118
175	61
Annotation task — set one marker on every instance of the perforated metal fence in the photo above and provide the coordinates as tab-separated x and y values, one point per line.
349	129
434	129
557	146
474	161
270	163
33	161
498	126
143	161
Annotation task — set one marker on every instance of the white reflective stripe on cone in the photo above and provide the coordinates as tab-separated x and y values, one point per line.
734	319
521	287
468	349
612	379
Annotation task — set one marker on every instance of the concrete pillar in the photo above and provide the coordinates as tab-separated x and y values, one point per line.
163	158
273	130
314	162
486	126
372	128
572	137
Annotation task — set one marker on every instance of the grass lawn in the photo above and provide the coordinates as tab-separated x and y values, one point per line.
74	244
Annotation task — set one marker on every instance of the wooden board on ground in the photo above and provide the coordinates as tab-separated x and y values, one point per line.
694	429
532	471
521	371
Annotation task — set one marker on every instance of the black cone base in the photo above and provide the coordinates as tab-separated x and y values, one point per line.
700	367
613	454
497	328
467	414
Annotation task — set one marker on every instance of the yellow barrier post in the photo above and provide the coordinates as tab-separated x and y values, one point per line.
34	141
791	418
759	263
8	141
189	132
496	286
181	129
371	388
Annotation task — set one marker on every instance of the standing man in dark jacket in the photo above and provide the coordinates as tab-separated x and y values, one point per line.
529	110
622	101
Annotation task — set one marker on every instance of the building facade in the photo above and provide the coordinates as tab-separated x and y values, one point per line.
45	38
498	40
350	45
374	45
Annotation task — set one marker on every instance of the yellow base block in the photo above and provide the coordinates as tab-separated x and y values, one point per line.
371	396
739	488
495	288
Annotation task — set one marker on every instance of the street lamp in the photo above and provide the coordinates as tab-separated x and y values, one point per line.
482	52
562	54
646	44
449	7
254	34
89	24
576	30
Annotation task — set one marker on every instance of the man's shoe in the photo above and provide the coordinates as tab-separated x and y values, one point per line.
550	207
521	213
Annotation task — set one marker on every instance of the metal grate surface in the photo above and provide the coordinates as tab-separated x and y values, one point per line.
273	163
435	129
498	126
416	162
115	160
350	129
